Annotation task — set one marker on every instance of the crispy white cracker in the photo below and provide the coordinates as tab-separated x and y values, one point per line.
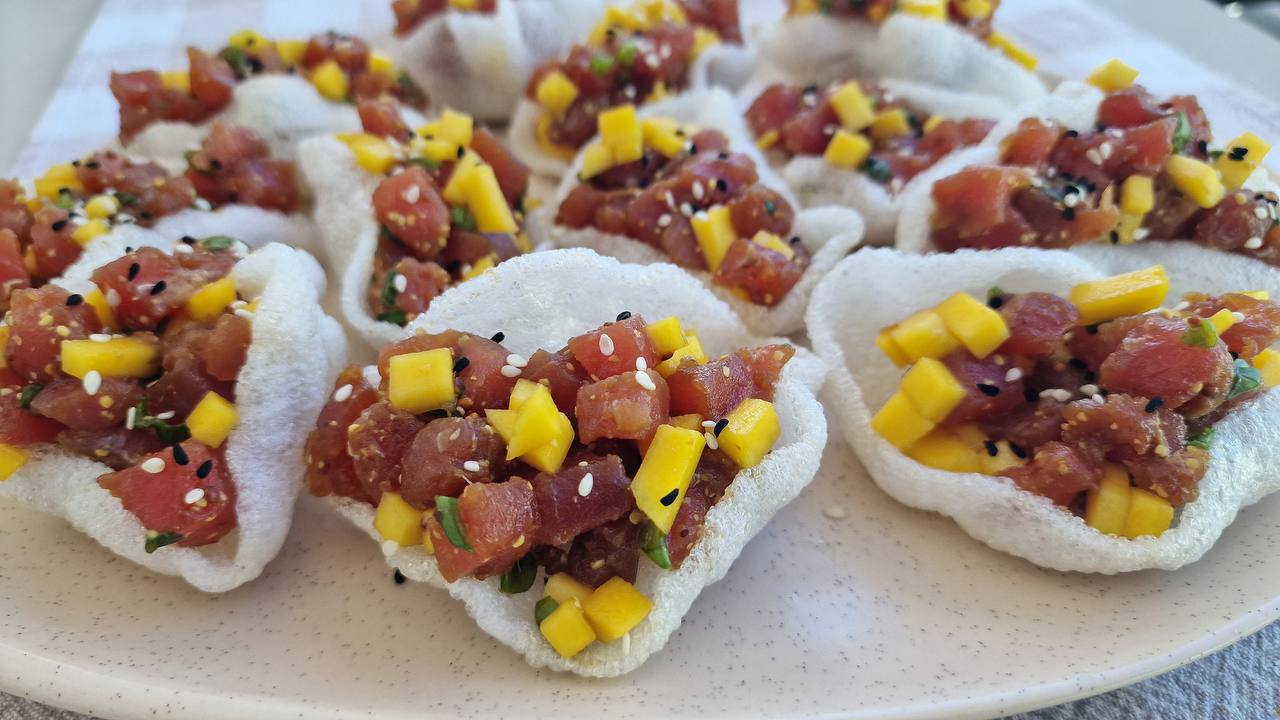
881	286
824	49
539	301
480	63
829	232
295	353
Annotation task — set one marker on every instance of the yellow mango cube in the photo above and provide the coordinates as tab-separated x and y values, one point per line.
1127	228
768	140
1257	294
90	231
1196	179
291	51
480	267
692	421
101	206
1128	294
703	38
751	433
1111	76
1003	459
454	192
179	80
851	106
547	458
381	64
927	9
1107	506
884	341
664	135
523	390
619	127
979	328
452	127
766	239
556	92
487	203
974	9
464	5
330	81
11	458
615	608
209	301
398	521
929	124
900	423
535	422
1267	362
1149	514
1222	320
251	40
57	177
567	629
212	419
422	381
1013	50
563	587
659	485
435	150
1240	158
890	124
667	335
932	389
96	300
1138	195
944	451
596	158
692	349
923	335
713	229
118	357
372	153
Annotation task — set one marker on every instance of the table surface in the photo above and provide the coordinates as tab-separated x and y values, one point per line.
1234	683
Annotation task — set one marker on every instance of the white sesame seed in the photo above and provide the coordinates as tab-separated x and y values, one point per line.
1183	305
810	100
1239	316
100	337
642	364
1093	156
1253	243
167	415
665	51
1013	375
153	465
708	424
125	219
1070	200
644	381
630	92
389	548
835	512
515	360
242	313
193	496
1105	150
471	466
664	220
1056	393
1141	233
585	484
712	442
92	382
651	60
371	375
239	249
510	371
626	644
412	194
343	393
1089	389
1098	398
183	249
1260	212
606	344
698	192
400	282
686	210
113	298
130	418
829	129
670	200
202	204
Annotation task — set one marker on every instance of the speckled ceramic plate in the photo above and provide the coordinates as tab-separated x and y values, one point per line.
884	613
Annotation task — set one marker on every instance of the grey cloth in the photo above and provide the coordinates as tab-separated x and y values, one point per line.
1241	682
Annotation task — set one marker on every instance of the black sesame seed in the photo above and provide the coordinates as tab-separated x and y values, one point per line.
233	197
1092	329
134	269
623	315
995	301
795	240
461	364
1017	450
498	337
1077	363
644	183
215	163
205	468
992	448
1029	394
722	155
398	577
74	300
1154	404
1089	376
1203	145
721	424
693	149
810	89
159	287
1073	133
461	151
59	225
180	455
1234	355
721	185
1068	213
670	497
1115	238
145	215
188	240
93	164
989	390
1101	126
1238	153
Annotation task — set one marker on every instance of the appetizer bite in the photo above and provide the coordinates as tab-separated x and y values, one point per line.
634	55
681	184
1102	418
81	202
153	401
944	43
283	89
406	215
625	462
1145	170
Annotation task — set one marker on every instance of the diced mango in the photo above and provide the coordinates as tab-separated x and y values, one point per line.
1257	294
703	38
1240	158
884	341
944	451
90	231
1111	76
291	51
62	175
667	335
547	458
101	206
1196	179
615	608
96	300
118	357
890	124
381	64
1107	506
372	153
974	9
930	123
751	433
422	381
480	267
692	349
523	390
398	521
567	629
1222	320
804	7
979	328
659	485
454	192
464	5
1149	514
766	239
692	421
556	92
248	40
1128	294
1013	50
1138	195
619	126
851	106
11	458
453	127
1004	458
212	419
535	422
928	9
932	389
179	80
596	158
768	140
565	587
1127	228
970	434
847	150
713	229
664	135
209	301
924	334
330	81
488	205
436	150
1267	362
900	423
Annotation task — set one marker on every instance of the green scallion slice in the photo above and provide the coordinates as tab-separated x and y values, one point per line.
544	608
1247	379
451	521
520	578
1204	335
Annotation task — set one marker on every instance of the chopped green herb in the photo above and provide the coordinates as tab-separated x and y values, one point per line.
520	578
461	218
125	198
410	92
425	163
627	54
29	393
1182	134
65	199
156	540
396	317
168	433
544	608
655	546
877	170
601	65
1247	379
770	207
217	243
1215	154
389	291
995	291
238	61
1202	439
451	521
1204	335
190	157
